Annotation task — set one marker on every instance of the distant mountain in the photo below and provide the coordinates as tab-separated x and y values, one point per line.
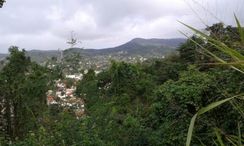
41	55
140	46
147	48
159	42
137	46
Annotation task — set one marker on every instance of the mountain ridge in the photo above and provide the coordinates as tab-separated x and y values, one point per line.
136	46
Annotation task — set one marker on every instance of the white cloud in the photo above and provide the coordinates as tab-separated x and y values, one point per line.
45	24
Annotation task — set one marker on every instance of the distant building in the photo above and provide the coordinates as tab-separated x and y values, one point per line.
64	97
76	77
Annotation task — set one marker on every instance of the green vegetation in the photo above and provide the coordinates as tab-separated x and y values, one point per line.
235	60
1	3
149	103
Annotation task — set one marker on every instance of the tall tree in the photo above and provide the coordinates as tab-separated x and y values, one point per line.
13	74
23	88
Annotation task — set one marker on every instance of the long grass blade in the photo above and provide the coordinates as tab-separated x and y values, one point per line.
227	63
202	111
190	130
214	56
219	137
231	141
218	44
213	105
239	134
241	32
234	137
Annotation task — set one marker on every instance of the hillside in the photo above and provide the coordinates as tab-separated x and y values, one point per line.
132	51
136	50
136	47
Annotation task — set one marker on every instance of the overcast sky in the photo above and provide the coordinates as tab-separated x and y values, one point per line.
47	24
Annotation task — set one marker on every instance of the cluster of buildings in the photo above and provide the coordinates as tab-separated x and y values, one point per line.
64	97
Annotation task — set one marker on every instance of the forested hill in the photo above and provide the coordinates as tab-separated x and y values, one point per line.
136	47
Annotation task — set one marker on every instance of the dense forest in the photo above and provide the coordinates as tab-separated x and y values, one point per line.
149	103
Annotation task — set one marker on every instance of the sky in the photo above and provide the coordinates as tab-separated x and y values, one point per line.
47	24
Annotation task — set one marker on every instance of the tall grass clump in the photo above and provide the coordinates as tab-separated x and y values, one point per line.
236	62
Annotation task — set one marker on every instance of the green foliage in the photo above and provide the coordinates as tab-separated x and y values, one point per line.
87	88
23	94
167	69
190	51
232	58
176	101
124	77
189	88
151	103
